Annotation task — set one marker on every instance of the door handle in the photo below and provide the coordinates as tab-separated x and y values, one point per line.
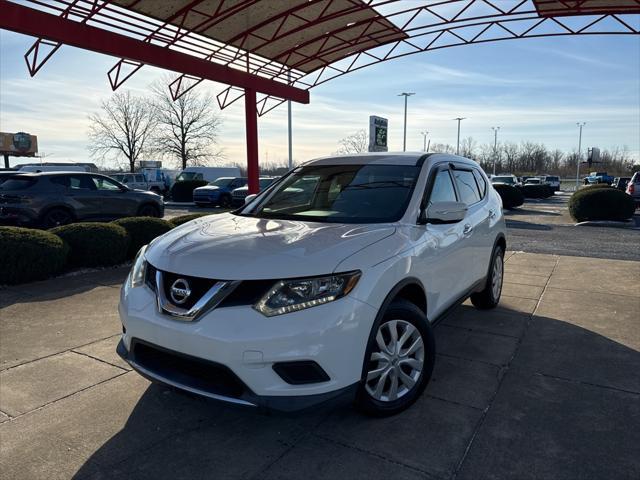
492	214
467	229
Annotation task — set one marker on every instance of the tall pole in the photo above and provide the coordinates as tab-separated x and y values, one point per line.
289	128
495	147
251	120
580	125
424	140
459	119
404	141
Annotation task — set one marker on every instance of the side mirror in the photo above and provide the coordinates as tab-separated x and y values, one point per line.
250	198
444	212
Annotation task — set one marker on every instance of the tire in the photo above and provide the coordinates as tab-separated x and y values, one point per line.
376	399
148	211
225	201
490	296
57	217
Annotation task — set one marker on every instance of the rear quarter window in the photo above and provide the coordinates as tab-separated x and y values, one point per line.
17	183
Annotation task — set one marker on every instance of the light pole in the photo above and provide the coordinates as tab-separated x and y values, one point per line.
459	119
580	125
404	141
495	147
290	140
424	140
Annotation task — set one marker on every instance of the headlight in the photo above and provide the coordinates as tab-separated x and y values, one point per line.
292	295
139	269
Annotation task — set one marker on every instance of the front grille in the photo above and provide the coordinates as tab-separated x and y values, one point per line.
198	286
186	370
240	194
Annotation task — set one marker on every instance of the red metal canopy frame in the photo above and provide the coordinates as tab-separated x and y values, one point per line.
281	49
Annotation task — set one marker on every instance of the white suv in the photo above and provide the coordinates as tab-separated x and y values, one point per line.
325	285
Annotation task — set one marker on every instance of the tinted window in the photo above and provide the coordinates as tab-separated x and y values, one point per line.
482	184
342	194
139	178
443	190
17	183
467	187
73	182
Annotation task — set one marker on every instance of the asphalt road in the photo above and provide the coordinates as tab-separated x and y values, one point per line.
599	242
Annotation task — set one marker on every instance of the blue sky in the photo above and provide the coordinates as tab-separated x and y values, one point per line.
534	89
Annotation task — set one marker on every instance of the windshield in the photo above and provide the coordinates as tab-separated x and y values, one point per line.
341	194
221	182
502	180
185	176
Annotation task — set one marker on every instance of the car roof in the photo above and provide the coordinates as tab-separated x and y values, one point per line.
389	158
55	173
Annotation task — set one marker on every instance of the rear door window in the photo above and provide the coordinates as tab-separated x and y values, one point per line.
17	183
482	184
467	187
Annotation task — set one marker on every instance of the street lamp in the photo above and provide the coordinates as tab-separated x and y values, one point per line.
495	147
580	125
424	141
405	95
459	119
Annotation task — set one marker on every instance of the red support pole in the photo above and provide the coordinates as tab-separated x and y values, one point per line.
251	117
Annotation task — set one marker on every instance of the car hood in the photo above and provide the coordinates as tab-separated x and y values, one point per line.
207	188
231	247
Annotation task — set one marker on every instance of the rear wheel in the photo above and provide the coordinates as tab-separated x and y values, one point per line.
57	217
398	362
148	211
490	296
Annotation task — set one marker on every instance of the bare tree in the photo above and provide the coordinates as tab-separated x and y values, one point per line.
442	148
357	142
187	127
122	129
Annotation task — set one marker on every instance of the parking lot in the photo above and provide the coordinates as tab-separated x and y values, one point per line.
547	386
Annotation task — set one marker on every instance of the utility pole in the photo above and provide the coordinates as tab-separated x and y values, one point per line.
289	127
459	119
580	125
404	141
424	140
495	147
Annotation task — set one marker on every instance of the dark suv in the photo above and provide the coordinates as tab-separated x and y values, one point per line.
57	198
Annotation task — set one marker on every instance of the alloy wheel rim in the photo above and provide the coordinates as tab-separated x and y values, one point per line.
496	277
397	361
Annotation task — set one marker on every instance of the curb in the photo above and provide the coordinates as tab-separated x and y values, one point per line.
630	224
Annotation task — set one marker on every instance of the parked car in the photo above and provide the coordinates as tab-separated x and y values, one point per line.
505	180
58	198
139	181
218	192
620	183
551	181
4	174
239	194
598	177
533	181
208	174
633	188
300	298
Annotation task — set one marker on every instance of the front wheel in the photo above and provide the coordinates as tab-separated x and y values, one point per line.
398	362
490	296
57	217
225	201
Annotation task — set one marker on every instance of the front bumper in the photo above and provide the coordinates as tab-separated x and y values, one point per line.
247	345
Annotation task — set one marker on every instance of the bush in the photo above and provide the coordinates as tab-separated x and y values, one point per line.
186	218
601	204
511	196
183	191
94	244
142	230
27	255
536	191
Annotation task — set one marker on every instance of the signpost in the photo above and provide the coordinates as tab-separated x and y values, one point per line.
378	127
18	144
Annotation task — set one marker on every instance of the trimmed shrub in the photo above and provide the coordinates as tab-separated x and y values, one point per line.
511	196
94	244
536	191
186	218
27	255
183	191
142	230
601	204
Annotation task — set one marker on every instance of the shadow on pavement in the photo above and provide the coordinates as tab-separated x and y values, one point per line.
562	402
527	211
526	225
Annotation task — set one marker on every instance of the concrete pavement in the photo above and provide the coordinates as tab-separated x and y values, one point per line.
545	386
